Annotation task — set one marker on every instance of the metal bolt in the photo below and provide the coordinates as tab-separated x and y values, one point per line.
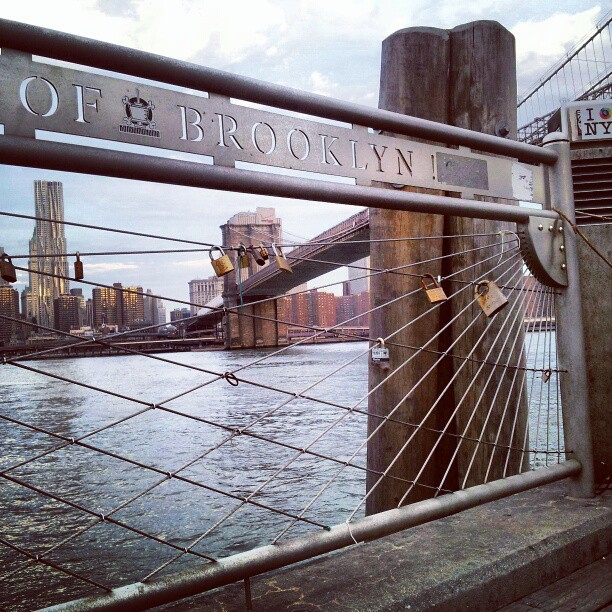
562	248
550	228
560	229
540	227
563	266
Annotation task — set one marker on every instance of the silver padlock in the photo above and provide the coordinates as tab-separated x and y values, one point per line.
222	265
490	297
281	261
380	353
435	293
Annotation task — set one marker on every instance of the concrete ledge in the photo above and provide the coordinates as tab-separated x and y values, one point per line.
480	559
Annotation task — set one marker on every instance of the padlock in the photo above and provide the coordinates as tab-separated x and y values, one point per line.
263	252
7	269
381	352
546	374
281	262
222	265
257	256
435	293
490	297
243	257
78	267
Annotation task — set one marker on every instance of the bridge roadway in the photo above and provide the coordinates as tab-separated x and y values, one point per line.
333	245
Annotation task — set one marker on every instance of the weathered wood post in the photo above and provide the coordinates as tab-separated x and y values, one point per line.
414	81
465	77
483	98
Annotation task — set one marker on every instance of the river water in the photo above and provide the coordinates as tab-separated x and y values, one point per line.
176	511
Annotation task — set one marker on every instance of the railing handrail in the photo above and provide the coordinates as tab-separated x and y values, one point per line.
107	56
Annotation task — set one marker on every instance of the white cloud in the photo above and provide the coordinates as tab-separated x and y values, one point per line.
108	267
540	44
322	84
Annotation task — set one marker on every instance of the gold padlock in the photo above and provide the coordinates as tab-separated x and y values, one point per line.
78	267
7	269
436	293
222	265
263	252
243	257
281	262
490	297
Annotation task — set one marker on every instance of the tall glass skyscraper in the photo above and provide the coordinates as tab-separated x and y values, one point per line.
48	239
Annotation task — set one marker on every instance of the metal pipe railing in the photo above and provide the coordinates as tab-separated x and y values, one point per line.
107	56
141	596
28	152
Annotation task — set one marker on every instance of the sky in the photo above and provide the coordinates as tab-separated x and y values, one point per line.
330	48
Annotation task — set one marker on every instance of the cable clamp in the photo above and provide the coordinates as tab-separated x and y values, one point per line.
231	379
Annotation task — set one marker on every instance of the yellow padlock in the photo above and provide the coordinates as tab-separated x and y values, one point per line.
435	293
222	265
281	261
490	297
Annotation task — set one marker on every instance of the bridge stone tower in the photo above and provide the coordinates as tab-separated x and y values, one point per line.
254	329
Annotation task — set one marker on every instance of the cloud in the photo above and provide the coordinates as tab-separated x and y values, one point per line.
540	44
109	267
322	84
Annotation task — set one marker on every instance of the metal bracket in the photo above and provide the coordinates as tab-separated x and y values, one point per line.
543	249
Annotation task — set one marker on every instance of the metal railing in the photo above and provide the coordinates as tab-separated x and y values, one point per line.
254	465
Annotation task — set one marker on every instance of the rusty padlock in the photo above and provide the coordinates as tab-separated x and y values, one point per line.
7	269
435	293
263	252
257	256
222	265
78	267
490	297
243	257
281	261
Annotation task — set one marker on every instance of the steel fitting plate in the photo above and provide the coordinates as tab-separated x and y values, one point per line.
543	249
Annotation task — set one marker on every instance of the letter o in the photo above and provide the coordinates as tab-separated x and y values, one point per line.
306	144
23	96
254	138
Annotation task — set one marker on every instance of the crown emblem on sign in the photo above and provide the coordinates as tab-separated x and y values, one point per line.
138	112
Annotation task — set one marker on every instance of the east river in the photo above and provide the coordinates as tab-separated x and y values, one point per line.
177	511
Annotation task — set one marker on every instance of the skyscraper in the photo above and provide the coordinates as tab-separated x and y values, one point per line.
48	239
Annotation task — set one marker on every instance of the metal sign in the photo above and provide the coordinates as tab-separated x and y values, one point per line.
591	120
41	96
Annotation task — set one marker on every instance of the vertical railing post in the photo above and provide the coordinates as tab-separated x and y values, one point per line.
569	327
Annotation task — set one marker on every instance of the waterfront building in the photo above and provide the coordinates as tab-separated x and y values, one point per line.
88	319
9	306
3	283
78	293
346	308
203	290
161	314
151	308
120	306
27	305
49	240
133	306
357	284
321	308
179	314
67	312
